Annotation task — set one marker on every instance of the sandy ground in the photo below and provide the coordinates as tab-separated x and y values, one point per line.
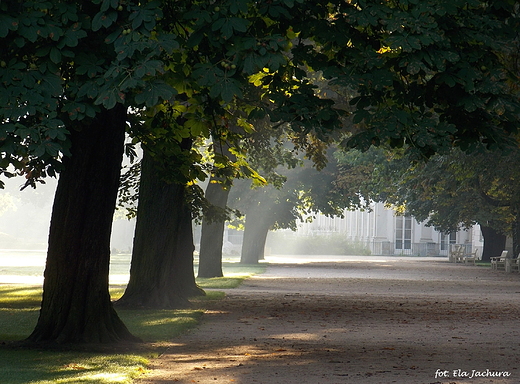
406	321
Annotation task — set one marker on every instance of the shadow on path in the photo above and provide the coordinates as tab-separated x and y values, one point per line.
356	322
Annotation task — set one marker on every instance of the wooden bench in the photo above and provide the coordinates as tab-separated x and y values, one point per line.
513	264
500	261
457	254
471	257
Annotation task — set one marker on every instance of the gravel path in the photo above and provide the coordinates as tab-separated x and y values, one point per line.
359	321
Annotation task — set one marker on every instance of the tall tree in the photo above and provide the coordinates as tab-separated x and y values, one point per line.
161	273
65	68
79	239
264	149
212	230
213	68
267	207
298	191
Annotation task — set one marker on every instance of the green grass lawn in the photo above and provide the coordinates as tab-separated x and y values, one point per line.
483	264
19	308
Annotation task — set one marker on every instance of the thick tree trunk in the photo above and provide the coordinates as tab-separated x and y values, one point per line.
76	306
255	236
212	233
494	242
161	274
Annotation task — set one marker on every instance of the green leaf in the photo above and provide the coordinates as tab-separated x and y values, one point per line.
55	55
96	21
73	110
51	84
198	128
155	91
446	78
103	19
238	6
360	115
207	74
228	25
227	88
108	99
239	24
7	23
113	36
195	39
168	42
39	151
52	148
149	68
254	63
275	61
257	114
414	67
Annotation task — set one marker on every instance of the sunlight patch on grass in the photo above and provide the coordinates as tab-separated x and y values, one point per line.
51	367
210	295
159	325
121	369
234	275
116	292
94	378
220	282
20	296
234	269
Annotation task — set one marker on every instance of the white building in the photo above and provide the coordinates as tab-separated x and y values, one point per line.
385	233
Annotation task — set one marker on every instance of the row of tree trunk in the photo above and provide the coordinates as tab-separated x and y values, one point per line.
76	305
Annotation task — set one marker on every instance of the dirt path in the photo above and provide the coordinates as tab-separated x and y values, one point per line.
357	322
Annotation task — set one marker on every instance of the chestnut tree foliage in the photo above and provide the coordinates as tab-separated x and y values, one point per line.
429	74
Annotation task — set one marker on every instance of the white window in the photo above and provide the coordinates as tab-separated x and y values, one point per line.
447	239
403	232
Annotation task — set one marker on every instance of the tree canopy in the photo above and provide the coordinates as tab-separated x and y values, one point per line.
431	74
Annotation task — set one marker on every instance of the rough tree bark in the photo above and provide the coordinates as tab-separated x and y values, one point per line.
212	233
494	242
255	235
76	306
161	273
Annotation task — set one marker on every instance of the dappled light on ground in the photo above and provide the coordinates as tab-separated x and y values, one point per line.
354	323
